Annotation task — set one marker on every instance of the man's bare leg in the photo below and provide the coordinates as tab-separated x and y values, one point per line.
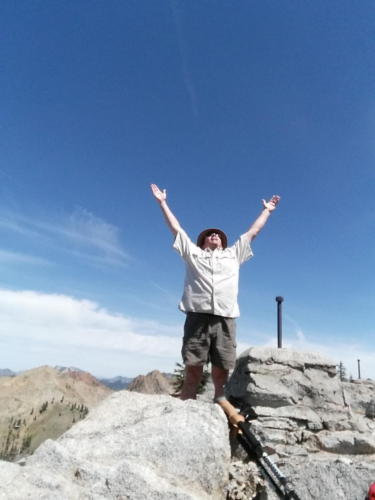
193	376
219	379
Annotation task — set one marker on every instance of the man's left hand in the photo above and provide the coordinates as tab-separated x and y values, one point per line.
272	203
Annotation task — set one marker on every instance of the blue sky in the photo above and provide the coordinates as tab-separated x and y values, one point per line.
222	103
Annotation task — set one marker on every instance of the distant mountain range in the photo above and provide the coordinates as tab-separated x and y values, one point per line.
4	372
115	383
44	402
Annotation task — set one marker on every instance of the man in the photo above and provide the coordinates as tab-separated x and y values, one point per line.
210	296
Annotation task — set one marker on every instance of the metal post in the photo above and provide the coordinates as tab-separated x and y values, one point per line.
279	300
359	368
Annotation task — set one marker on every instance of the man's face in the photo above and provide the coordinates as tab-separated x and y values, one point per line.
212	241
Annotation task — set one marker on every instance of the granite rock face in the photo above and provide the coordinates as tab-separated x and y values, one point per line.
132	446
319	429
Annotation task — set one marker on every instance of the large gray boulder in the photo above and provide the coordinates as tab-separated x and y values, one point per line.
318	429
132	446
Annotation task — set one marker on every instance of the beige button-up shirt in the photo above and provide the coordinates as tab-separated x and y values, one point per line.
211	281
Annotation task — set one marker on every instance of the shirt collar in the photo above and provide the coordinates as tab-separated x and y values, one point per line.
212	251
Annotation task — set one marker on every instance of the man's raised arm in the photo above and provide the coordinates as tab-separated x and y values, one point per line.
268	208
161	197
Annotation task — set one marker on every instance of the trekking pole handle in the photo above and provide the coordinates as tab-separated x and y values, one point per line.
233	416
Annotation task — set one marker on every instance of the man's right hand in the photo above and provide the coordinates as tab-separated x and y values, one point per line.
161	197
158	193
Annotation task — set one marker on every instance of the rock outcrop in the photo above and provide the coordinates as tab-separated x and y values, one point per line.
132	446
318	427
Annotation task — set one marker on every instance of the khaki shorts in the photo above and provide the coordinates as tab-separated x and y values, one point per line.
209	338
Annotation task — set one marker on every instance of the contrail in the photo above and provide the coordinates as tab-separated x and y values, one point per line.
188	81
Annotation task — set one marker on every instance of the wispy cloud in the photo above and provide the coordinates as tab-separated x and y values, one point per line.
44	326
16	223
81	234
85	229
64	322
21	258
182	46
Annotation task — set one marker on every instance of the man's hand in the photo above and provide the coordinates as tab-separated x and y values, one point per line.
161	197
158	193
268	208
272	203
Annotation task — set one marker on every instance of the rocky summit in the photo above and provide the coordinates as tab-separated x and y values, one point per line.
132	446
316	428
319	429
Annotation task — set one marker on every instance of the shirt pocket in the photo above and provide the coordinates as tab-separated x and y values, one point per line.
226	263
202	264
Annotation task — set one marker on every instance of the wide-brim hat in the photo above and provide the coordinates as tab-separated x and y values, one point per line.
206	232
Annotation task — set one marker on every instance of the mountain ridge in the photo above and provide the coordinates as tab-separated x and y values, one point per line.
43	403
5	372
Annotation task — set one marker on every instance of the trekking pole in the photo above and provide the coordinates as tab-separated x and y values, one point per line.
254	449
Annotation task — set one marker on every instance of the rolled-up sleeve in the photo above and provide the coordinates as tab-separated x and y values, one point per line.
243	249
182	244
